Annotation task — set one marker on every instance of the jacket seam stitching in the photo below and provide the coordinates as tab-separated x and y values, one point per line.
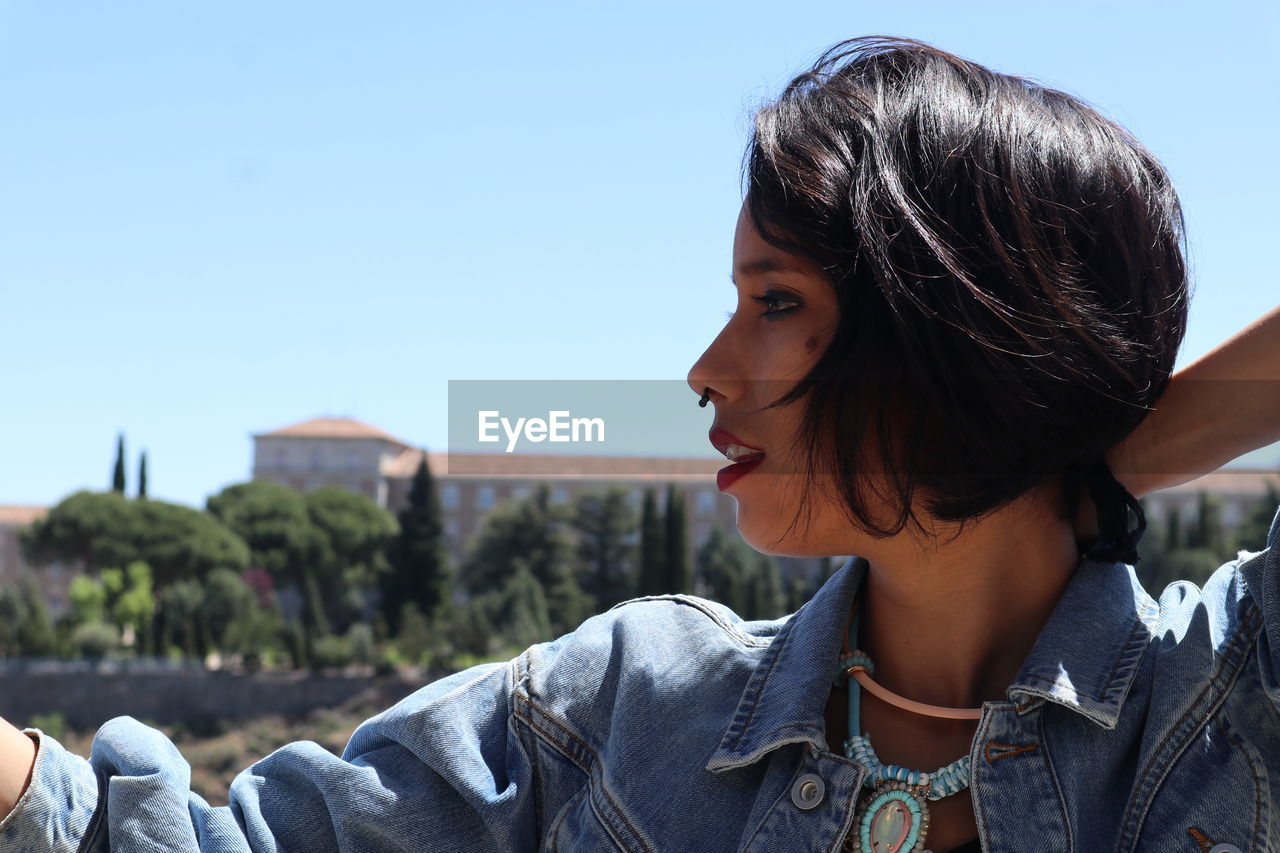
549	736
1232	659
1238	743
602	790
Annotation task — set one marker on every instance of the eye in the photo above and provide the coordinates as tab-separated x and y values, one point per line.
777	302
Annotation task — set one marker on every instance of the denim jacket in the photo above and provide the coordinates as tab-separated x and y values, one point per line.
669	724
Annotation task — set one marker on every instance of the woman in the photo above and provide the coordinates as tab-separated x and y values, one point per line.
957	292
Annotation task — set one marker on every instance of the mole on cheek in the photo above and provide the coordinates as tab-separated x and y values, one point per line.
811	344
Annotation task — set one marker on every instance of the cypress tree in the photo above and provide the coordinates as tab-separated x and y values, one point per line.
142	476
419	562
652	579
117	479
675	543
1173	531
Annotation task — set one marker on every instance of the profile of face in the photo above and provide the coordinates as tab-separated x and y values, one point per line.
786	316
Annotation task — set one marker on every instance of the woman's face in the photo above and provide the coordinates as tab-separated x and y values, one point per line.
786	316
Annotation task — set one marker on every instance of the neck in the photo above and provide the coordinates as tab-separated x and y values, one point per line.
952	624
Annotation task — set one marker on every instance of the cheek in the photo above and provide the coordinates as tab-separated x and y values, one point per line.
811	345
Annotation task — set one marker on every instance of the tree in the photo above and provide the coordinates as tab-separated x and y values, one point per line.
721	564
131	603
1251	535
605	522
274	522
767	600
25	627
1208	534
1173	530
103	529
418	558
354	534
142	476
652	578
180	613
675	542
529	533
117	477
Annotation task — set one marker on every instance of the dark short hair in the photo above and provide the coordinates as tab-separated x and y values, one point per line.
1009	268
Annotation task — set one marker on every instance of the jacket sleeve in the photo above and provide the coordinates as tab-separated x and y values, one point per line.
442	770
1261	575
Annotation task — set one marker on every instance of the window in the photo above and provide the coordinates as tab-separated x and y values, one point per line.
559	495
521	492
706	502
484	497
449	497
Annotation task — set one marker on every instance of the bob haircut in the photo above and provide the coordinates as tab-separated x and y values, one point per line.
1009	269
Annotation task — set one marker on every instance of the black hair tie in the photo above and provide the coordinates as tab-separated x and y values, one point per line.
1116	542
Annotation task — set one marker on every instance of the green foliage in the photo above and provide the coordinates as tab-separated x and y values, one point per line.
117	475
104	529
744	580
228	612
273	522
532	534
88	599
419	569
360	642
130	599
605	522
54	724
25	627
1207	533
514	616
142	476
414	638
353	535
1251	535
652	577
675	543
179	610
94	640
330	652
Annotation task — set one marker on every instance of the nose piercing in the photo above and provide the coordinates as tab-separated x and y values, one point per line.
706	395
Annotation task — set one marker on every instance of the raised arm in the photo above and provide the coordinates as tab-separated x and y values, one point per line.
17	756
1221	407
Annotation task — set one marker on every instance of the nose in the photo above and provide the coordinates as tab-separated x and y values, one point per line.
711	374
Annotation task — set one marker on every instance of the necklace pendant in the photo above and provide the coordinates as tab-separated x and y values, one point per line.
893	819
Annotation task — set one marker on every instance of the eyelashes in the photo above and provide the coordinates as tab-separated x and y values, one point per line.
770	299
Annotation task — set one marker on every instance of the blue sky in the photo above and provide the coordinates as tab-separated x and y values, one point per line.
218	219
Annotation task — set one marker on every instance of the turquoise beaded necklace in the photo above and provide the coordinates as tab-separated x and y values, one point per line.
895	817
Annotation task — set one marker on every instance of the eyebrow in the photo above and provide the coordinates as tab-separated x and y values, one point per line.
762	266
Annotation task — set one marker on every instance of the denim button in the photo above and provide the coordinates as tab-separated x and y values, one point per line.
808	791
1224	848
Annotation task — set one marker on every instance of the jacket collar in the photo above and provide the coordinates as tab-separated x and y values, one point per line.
1084	659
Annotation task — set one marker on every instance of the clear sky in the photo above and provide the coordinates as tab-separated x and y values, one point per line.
221	218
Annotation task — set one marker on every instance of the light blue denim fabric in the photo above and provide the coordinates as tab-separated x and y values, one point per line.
669	724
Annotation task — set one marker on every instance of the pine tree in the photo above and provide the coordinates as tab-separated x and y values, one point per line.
675	543
652	578
1173	531
605	522
117	479
142	476
419	561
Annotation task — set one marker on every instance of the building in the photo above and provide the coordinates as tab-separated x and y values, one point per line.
54	579
1239	490
364	459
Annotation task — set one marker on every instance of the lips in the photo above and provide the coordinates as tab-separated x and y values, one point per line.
733	448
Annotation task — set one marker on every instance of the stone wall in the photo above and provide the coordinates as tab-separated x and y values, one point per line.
88	696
